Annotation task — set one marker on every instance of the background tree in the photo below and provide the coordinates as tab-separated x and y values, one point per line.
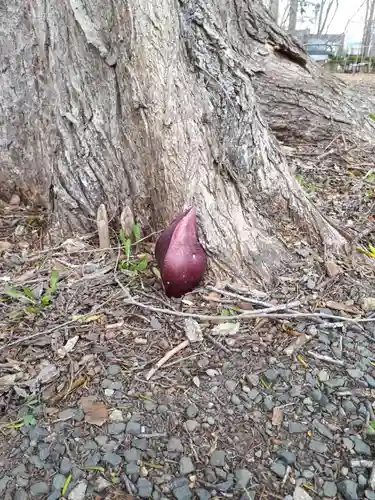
368	28
154	106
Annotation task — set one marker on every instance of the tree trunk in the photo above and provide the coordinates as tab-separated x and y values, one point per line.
292	23
274	10
159	105
368	28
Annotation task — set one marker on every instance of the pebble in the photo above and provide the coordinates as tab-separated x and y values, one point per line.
132	455
253	394
65	466
296	428
3	483
370	381
79	491
329	489
183	493
112	459
192	411
268	403
287	457
140	443
191	425
101	484
278	468
175	445
58	481
230	385
117	428
322	429
318	446
253	379
361	447
203	494
186	466
301	494
242	477
272	375
133	427
39	489
218	458
348	489
116	416
355	372
235	400
20	495
132	468
113	370
144	487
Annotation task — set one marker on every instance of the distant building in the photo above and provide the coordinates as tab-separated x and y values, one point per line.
354	48
320	47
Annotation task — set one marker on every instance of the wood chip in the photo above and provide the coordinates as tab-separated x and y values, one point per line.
277	416
339	306
332	269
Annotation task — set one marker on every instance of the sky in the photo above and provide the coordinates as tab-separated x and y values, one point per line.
349	18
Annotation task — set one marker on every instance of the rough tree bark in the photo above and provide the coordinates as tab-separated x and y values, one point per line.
158	105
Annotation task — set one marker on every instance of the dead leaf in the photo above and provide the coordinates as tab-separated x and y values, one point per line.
226	329
20	392
193	330
46	374
8	381
332	269
196	381
15	200
339	306
277	416
368	304
68	347
245	305
155	323
96	413
297	343
5	245
212	373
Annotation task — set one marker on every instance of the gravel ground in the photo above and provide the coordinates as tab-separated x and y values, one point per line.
239	418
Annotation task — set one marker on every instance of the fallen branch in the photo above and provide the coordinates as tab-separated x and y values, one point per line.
322	357
166	357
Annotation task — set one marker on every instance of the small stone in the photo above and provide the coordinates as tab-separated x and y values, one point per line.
272	375
90	445
370	495
323	375
361	480
39	489
253	379
112	459
297	428
102	484
355	373
287	457
370	381
218	458
117	428
235	400
348	489
116	416
278	468
36	461
101	440
192	411
79	491
322	429
149	405
3	483
230	385
113	370
242	476
140	443
175	445
19	470
348	443
335	383
65	466
361	447
58	482
144	487
368	304
183	493
210	420
308	474
318	446
329	489
20	495
349	407
109	392
133	428
253	394
92	460
268	403
191	425
55	495
132	455
132	468
301	494
186	466
203	494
